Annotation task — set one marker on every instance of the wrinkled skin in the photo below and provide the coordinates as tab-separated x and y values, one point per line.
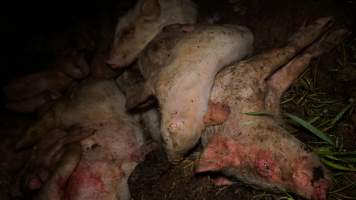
257	149
142	23
100	167
179	66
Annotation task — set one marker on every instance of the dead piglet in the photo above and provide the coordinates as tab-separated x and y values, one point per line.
179	67
256	149
143	22
109	155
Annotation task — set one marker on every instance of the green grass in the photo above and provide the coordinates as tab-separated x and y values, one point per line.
314	110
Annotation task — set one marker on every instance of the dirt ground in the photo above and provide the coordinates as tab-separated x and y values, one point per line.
271	21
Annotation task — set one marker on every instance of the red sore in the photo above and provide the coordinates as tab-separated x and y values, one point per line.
84	178
265	164
220	153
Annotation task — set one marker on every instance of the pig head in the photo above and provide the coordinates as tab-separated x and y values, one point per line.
257	149
142	23
179	67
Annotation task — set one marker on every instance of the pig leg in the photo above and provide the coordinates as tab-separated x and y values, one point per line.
37	83
50	150
75	134
270	61
217	114
34	178
280	81
75	67
54	187
35	132
34	103
43	126
222	181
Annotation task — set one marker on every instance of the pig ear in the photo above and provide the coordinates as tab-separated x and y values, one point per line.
136	95
150	9
217	113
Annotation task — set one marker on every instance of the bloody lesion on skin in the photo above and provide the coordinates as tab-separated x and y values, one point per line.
83	174
265	163
222	154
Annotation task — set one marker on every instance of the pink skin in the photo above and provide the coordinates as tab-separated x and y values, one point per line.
225	153
111	144
257	149
179	66
222	181
265	164
141	24
85	179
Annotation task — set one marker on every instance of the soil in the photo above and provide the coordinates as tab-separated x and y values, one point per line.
272	22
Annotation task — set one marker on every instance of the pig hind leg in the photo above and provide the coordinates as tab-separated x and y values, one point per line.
270	61
280	81
53	189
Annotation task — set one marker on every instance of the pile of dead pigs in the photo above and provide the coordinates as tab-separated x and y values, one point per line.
205	80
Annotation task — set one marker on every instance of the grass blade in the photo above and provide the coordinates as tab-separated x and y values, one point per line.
337	166
262	113
311	128
340	115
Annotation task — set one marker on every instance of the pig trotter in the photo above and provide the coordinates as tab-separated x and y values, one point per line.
257	149
34	103
304	37
54	188
280	81
222	181
37	83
